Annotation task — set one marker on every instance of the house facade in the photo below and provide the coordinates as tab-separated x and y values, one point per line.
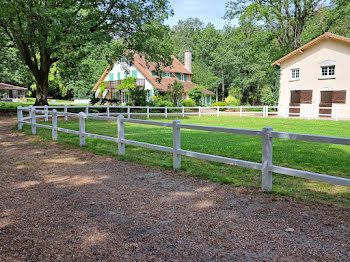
147	78
11	92
316	75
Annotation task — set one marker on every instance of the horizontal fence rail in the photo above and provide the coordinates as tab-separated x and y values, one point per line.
267	135
335	112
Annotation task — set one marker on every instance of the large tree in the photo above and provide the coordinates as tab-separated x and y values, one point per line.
286	18
50	31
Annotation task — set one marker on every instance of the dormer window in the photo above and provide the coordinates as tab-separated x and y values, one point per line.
182	77
327	69
295	74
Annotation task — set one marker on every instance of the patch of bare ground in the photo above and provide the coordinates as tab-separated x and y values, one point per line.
67	204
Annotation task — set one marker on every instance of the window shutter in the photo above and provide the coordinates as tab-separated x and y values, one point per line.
185	77
339	97
111	77
306	96
134	73
118	75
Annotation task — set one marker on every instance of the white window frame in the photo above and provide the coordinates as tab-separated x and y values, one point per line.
295	73
327	69
182	77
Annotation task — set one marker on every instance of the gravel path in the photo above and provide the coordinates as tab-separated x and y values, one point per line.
65	204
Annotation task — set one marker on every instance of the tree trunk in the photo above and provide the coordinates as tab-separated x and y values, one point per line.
42	87
217	93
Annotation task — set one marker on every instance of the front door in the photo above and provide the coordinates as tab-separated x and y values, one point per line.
294	105
326	101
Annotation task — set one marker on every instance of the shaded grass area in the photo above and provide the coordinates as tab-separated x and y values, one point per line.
316	157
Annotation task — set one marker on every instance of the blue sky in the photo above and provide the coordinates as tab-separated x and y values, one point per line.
206	10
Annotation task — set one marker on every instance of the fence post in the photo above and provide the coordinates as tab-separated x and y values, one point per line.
199	111
65	113
87	110
266	159
128	111
82	117
267	111
166	112
336	113
121	145
286	111
54	124
19	117
309	114
46	113
240	111
107	111
33	116
147	111
176	144
30	111
218	112
183	111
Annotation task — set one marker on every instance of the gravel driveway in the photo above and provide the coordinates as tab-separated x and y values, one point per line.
66	204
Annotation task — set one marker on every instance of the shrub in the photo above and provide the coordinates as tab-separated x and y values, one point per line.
163	103
220	103
94	100
188	103
232	101
267	96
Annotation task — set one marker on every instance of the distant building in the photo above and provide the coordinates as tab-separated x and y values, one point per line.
317	74
11	92
145	75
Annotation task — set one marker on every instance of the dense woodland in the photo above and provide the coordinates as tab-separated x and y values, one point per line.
233	61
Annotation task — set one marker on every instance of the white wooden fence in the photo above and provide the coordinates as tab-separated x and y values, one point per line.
266	133
309	112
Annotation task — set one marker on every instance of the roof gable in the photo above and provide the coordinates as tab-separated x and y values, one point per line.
310	44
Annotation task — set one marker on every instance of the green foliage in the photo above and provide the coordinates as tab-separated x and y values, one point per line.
267	96
196	93
93	99
138	96
163	103
236	93
102	88
128	83
232	101
277	16
188	103
175	92
66	31
220	103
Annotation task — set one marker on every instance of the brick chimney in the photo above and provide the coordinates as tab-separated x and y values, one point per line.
188	60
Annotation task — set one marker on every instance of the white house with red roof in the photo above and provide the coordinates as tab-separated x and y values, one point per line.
317	75
145	75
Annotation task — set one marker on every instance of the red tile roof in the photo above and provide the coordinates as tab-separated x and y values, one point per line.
12	87
311	43
162	85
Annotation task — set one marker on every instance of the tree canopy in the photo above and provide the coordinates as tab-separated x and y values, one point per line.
47	32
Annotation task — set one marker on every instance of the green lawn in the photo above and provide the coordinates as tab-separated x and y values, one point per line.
30	101
315	157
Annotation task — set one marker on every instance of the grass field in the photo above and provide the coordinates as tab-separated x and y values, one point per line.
315	157
30	101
